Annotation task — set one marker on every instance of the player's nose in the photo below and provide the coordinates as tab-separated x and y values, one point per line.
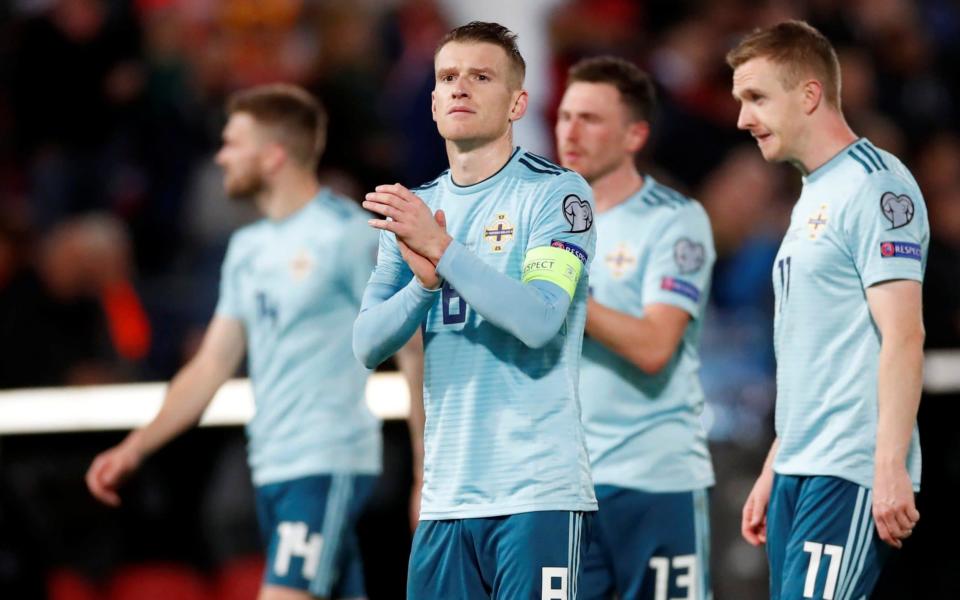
745	120
459	90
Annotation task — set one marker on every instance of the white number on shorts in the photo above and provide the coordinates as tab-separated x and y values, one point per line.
548	574
294	542
833	571
686	580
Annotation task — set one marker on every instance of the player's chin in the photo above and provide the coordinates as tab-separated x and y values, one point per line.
458	132
241	190
771	151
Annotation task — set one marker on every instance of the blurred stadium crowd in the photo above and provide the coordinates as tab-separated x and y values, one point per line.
113	222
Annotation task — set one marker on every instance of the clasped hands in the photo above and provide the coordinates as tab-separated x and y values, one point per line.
421	235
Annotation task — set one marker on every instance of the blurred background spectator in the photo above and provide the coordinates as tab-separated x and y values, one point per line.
113	223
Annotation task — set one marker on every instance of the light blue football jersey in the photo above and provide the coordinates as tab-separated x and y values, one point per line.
644	431
296	285
860	220
503	432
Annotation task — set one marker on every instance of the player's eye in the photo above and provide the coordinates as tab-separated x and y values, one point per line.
482	77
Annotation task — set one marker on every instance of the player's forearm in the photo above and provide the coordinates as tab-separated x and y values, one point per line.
187	397
899	385
639	340
771	456
388	318
532	312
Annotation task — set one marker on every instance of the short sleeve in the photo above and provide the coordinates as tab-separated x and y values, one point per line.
680	261
564	219
887	231
228	304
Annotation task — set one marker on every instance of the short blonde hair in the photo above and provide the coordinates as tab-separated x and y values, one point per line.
490	33
800	49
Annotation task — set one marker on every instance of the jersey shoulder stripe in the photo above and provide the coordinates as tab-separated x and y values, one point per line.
658	197
673	194
544	162
868	157
543	171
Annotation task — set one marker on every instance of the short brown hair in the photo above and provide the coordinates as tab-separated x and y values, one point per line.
490	33
295	113
635	86
800	48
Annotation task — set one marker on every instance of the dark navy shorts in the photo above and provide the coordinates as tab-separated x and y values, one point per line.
308	526
526	556
821	539
648	546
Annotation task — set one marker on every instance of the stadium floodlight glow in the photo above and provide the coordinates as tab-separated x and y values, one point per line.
125	406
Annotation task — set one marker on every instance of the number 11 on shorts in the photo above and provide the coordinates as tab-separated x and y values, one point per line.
816	552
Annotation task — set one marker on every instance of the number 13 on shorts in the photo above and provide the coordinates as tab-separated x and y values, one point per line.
685	576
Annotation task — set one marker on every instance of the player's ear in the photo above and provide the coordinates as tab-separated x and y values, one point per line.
272	157
433	104
519	107
812	95
637	134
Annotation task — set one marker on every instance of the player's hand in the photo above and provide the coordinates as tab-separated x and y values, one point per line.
894	510
753	521
109	470
424	270
410	219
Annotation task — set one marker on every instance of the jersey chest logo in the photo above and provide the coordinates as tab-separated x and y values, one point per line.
817	222
498	233
621	261
301	265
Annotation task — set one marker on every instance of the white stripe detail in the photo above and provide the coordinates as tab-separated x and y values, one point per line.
701	524
848	546
863	536
867	542
338	501
580	552
571	545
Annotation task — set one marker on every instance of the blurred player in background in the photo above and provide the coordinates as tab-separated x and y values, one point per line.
837	490
639	382
290	289
490	260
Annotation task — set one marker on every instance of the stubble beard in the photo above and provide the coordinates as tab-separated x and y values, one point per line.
244	188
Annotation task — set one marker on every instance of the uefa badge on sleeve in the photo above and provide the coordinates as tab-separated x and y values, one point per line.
898	209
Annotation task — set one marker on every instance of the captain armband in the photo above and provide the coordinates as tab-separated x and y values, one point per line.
556	265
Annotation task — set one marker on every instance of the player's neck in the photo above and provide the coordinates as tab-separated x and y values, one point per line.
823	141
616	186
471	162
287	195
